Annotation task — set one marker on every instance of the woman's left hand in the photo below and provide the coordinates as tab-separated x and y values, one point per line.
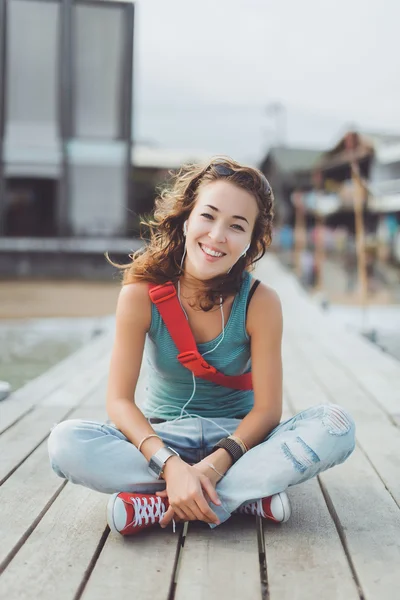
205	470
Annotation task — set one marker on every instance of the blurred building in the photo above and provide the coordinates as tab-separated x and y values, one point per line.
335	177
385	198
326	193
385	179
334	171
66	69
288	169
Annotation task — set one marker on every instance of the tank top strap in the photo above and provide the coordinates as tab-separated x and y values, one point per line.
238	318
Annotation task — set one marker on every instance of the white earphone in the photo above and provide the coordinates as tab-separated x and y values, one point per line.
245	250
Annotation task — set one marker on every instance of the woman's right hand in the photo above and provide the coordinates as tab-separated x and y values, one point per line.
185	490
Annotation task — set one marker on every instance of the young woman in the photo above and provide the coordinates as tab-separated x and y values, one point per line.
207	440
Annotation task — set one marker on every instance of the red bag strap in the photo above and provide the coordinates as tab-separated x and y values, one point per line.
164	297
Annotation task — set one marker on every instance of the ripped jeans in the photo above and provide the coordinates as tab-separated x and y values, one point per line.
100	457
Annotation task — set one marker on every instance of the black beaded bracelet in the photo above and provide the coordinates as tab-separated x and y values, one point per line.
232	447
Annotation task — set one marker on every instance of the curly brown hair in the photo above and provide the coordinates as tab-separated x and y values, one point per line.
159	261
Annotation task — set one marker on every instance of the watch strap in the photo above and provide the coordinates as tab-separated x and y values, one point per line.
232	447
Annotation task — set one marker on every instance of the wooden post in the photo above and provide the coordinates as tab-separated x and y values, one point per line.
319	246
359	197
358	204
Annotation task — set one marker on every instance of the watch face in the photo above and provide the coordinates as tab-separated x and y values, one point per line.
158	460
154	468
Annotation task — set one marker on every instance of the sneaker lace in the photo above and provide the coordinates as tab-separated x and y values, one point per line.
253	508
151	510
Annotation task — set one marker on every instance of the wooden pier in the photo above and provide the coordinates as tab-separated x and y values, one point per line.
341	543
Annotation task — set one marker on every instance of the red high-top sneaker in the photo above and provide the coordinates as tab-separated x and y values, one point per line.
276	508
129	513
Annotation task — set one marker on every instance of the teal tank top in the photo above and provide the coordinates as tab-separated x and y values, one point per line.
170	385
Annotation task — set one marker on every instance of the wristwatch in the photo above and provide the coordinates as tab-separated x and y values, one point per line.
158	460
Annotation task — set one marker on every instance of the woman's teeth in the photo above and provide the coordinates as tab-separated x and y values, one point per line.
211	252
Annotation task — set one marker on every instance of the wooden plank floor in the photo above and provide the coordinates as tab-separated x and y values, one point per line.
342	542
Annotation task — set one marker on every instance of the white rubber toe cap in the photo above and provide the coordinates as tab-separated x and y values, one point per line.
116	514
280	507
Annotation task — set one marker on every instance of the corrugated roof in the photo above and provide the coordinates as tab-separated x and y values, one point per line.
388	153
377	137
293	159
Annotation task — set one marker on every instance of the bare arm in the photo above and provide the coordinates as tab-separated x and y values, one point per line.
133	318
264	325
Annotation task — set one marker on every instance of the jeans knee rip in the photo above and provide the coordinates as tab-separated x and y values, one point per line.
336	421
301	456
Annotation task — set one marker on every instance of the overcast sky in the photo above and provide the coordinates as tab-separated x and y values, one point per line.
205	71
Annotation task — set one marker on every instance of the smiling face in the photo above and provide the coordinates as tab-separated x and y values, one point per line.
219	228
